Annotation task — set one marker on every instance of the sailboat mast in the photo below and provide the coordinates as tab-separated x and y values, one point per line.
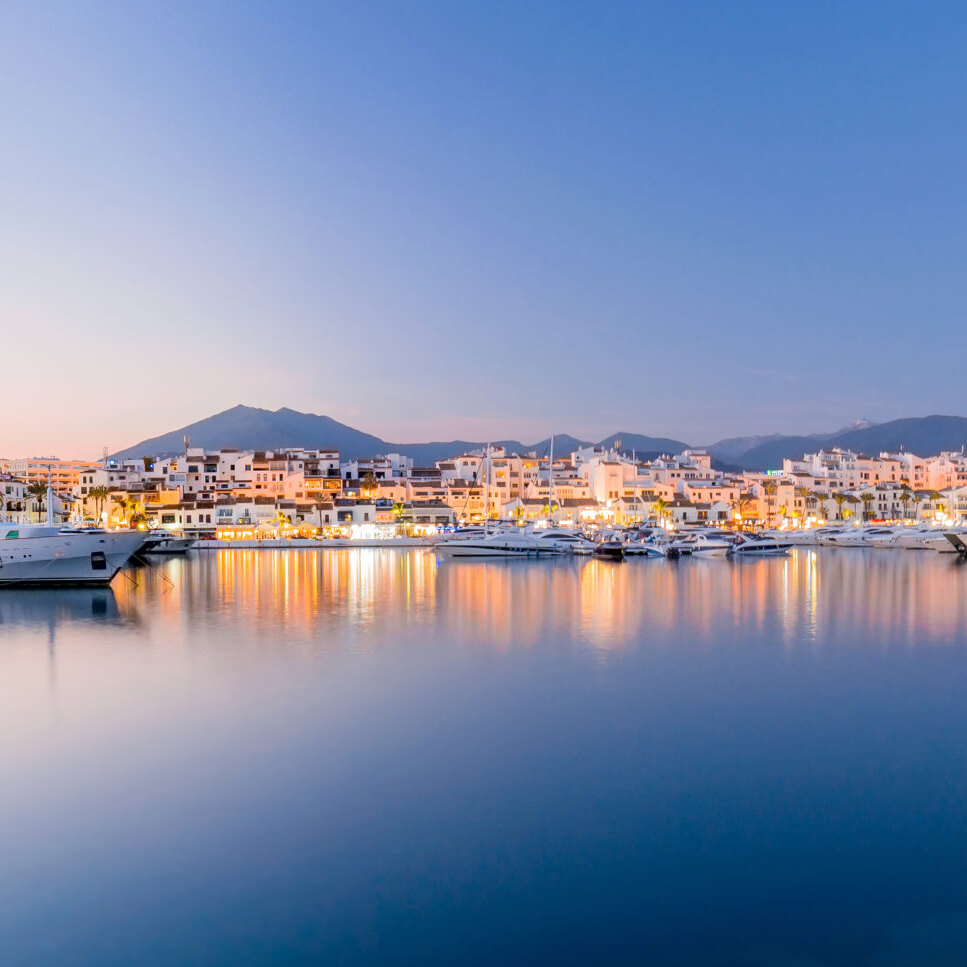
50	499
550	479
487	496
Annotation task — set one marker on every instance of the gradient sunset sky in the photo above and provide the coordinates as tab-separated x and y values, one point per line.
437	220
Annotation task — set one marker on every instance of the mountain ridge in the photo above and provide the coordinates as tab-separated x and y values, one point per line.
254	428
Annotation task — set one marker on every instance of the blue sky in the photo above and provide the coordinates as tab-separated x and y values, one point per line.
433	220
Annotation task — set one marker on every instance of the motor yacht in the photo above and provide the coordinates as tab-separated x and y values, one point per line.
37	555
918	538
564	541
756	545
702	545
164	542
610	550
501	544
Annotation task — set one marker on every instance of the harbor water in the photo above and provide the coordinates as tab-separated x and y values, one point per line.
375	756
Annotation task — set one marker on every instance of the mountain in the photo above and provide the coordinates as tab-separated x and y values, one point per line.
924	435
251	428
646	447
734	447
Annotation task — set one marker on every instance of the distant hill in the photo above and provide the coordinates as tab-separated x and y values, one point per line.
251	428
642	446
924	435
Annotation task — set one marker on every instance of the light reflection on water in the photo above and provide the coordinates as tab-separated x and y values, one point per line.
380	757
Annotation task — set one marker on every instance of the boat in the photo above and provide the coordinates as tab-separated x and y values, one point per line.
755	545
702	545
501	544
564	541
160	541
37	555
611	550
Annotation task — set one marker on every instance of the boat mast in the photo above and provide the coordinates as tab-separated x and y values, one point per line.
487	496
550	480
50	499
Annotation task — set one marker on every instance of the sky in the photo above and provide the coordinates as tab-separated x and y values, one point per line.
480	220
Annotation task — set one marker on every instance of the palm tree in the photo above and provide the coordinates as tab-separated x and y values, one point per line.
38	492
905	499
318	502
840	500
867	499
368	484
820	501
660	507
399	514
98	495
519	513
935	497
281	521
135	514
120	502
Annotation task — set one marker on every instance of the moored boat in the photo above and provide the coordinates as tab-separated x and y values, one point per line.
757	546
612	550
164	542
35	555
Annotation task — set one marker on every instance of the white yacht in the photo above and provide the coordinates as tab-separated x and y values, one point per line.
754	545
702	545
164	542
919	538
34	555
502	544
564	541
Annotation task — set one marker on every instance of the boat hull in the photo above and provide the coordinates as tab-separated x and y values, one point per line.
173	545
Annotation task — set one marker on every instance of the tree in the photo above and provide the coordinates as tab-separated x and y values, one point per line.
840	500
120	502
281	521
935	498
38	493
135	514
318	502
905	499
867	499
660	507
368	484
519	513
98	495
399	515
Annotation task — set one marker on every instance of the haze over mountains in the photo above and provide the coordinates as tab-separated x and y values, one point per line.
252	428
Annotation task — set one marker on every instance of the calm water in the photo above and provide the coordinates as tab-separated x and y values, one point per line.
371	757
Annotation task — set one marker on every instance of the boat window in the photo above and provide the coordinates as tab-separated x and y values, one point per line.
12	534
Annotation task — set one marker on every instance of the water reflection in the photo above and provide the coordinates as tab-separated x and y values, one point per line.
888	595
52	607
865	596
371	756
